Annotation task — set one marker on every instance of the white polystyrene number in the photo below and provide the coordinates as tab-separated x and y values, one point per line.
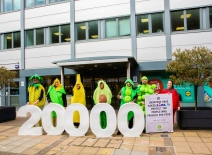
138	124
47	119
95	120
84	120
27	128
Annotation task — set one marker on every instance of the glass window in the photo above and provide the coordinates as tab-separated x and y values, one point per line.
53	1
210	16
124	26
143	24
15	89
65	33
39	36
110	28
8	41
39	2
16	4
193	20
81	29
29	3
93	30
17	39
29	38
54	34
157	23
177	19
7	5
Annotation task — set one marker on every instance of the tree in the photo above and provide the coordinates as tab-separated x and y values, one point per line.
193	67
6	77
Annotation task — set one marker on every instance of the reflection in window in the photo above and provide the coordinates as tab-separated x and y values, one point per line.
17	39
81	28
93	30
39	36
177	19
110	28
8	41
14	90
39	2
65	36
193	20
143	24
210	16
29	3
124	26
54	35
157	23
29	38
7	5
16	4
53	1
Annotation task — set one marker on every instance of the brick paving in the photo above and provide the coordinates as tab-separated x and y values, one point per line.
180	142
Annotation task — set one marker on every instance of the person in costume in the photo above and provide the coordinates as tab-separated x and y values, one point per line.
36	93
175	97
78	97
127	94
102	94
56	94
142	91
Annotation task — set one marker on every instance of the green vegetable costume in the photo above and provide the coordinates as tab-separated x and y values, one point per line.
56	94
128	94
97	93
142	91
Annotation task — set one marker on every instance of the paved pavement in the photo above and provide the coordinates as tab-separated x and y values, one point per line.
181	142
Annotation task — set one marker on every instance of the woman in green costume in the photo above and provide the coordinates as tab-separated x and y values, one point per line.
98	97
127	95
56	94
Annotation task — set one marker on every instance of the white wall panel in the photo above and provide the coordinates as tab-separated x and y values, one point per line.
175	4
10	22
152	48
188	40
9	58
44	56
142	6
100	9
120	47
47	15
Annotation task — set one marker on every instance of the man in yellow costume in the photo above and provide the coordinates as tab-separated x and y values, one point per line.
78	97
36	93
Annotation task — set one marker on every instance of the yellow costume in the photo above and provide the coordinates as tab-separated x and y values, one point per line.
78	97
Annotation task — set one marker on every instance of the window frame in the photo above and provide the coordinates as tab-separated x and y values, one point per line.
3	9
34	4
34	37
12	36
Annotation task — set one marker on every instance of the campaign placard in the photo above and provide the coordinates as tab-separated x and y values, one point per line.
159	113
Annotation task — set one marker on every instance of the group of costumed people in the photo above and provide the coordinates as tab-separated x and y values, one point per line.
128	94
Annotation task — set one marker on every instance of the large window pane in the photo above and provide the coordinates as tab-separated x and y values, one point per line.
29	38
8	41
81	28
39	2
93	30
157	23
15	101
39	36
124	26
143	24
15	89
53	1
110	28
29	3
17	39
7	5
210	15
54	35
16	4
193	21
65	36
177	19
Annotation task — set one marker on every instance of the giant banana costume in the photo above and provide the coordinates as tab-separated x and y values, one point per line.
96	95
35	92
78	97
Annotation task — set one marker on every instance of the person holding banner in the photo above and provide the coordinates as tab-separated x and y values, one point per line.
36	93
56	94
127	94
175	97
78	97
102	94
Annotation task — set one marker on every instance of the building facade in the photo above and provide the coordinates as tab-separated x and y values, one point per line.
100	39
